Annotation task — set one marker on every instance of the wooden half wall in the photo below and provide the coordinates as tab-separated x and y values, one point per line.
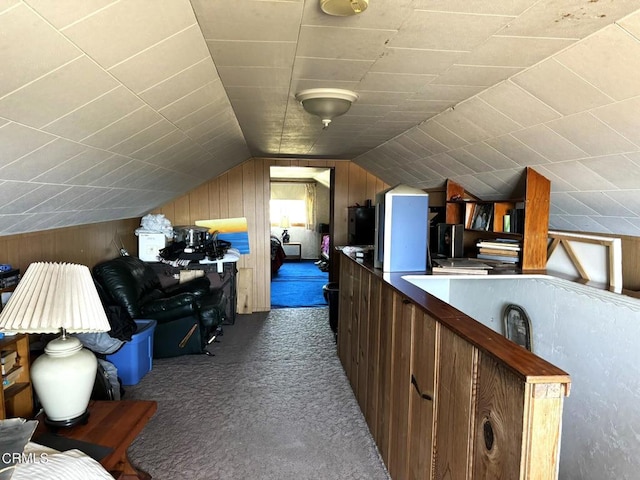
85	244
244	191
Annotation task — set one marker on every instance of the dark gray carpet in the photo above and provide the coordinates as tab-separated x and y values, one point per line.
273	403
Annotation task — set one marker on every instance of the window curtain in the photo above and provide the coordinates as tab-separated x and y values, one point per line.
311	205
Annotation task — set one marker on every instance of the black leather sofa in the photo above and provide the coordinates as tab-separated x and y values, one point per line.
188	315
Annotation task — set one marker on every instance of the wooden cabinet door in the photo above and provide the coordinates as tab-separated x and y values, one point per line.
373	355
364	324
404	313
345	295
455	400
422	401
384	371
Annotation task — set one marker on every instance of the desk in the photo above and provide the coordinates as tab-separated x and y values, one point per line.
293	250
113	424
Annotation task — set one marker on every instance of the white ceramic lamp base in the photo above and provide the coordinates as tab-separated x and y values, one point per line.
63	379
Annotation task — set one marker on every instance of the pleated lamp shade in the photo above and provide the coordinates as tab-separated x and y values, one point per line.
52	298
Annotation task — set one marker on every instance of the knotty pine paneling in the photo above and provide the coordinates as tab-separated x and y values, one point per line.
244	191
85	245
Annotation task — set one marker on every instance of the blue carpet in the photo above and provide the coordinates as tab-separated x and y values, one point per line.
298	284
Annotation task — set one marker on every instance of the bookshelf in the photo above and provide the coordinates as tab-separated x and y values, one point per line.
16	400
531	197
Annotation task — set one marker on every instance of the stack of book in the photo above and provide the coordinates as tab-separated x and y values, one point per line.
504	250
9	367
459	266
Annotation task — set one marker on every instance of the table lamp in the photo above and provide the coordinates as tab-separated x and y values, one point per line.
53	298
284	223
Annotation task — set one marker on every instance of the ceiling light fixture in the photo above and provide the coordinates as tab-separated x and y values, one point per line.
326	103
343	8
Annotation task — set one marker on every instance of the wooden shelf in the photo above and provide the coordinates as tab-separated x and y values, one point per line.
533	195
17	399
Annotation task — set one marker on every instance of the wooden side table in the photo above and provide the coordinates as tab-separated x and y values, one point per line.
293	250
112	424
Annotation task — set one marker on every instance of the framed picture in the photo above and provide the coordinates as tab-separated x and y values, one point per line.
482	216
517	326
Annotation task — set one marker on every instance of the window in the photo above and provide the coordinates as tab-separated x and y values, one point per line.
296	210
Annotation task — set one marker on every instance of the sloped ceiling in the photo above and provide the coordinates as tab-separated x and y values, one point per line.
109	109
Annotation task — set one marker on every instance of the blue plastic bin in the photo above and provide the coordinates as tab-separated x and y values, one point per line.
134	359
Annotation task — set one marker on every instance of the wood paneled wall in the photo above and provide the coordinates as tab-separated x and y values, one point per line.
244	191
86	244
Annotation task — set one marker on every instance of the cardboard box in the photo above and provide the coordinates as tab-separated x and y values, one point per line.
149	246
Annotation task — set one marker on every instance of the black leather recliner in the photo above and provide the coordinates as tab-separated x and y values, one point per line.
188	315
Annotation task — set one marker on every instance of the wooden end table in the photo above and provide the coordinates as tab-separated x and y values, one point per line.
112	424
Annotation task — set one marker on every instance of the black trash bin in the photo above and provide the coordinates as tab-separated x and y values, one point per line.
331	294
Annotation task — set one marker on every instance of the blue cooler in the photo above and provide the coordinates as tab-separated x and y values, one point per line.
134	359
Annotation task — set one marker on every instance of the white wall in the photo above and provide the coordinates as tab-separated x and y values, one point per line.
593	335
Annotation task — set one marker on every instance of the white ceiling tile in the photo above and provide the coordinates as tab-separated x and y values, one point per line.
473	163
255	76
631	24
509	51
453	165
389	82
96	172
566	19
560	88
579	176
35	194
516	150
619	170
447	31
123	29
558	184
255	54
50	97
619	225
570	204
181	85
426	141
18	140
548	143
491	156
453	93
249	20
29	48
96	115
622	117
41	160
123	128
413	104
328	69
602	204
62	171
505	7
615	74
486	117
120	169
331	42
443	135
517	104
61	14
421	62
210	93
154	151
591	135
463	128
162	61
419	151
479	76
208	114
143	138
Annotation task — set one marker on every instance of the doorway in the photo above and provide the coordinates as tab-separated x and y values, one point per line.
300	214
